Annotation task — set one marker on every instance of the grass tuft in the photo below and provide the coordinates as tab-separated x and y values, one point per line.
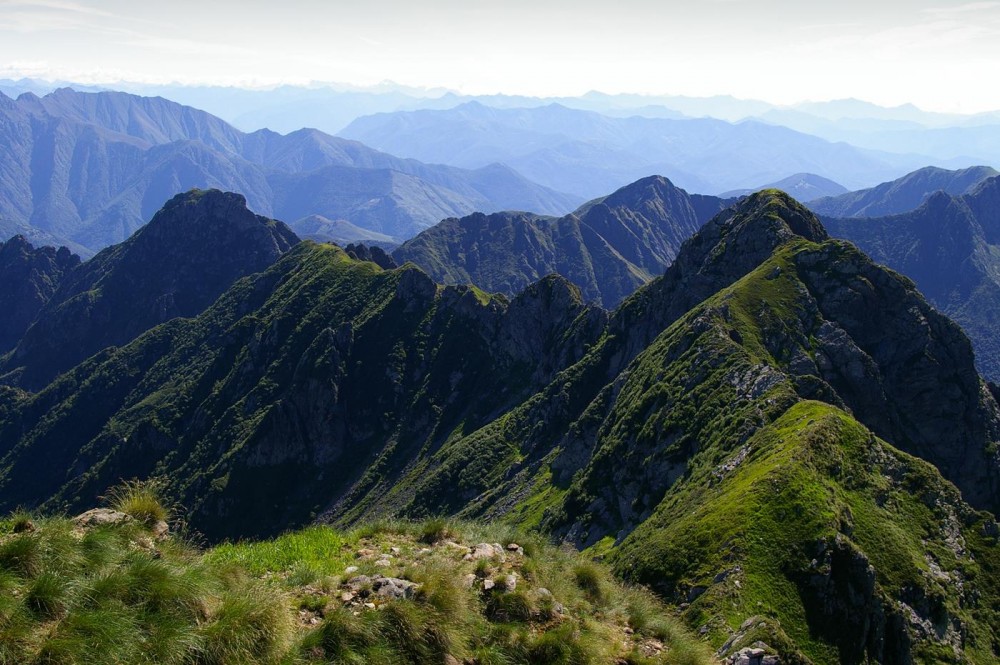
141	500
252	625
590	579
435	530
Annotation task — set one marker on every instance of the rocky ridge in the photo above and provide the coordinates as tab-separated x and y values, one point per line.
902	195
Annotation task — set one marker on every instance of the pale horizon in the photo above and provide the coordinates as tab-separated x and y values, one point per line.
939	56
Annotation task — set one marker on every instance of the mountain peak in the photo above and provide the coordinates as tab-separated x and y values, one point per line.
16	242
206	199
773	205
217	216
198	223
939	200
654	184
990	184
729	246
193	249
636	194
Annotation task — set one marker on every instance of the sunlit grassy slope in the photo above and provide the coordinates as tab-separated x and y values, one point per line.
119	593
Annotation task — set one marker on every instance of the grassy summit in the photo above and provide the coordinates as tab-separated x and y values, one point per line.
111	586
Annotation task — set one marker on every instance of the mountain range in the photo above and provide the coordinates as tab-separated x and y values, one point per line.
760	434
608	248
720	397
330	107
586	153
612	246
90	168
939	137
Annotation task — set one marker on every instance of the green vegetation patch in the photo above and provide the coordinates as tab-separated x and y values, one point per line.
107	587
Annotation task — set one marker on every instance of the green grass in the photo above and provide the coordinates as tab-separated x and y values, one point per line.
113	594
320	549
142	501
108	595
816	477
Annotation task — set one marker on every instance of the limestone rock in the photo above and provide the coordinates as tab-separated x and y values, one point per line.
100	517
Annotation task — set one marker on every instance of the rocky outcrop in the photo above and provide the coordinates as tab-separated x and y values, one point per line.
28	278
903	369
372	253
549	325
846	606
100	517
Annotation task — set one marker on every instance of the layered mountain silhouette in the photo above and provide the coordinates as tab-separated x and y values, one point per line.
90	168
587	153
949	246
902	195
607	248
779	435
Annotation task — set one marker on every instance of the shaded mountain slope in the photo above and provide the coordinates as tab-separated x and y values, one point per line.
904	194
608	248
949	247
287	359
177	265
92	167
740	434
28	278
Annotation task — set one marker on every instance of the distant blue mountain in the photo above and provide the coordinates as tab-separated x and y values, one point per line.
802	186
903	194
587	153
90	168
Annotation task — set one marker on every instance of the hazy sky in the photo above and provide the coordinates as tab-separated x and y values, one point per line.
940	55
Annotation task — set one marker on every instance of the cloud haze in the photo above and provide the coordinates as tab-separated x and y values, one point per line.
940	55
